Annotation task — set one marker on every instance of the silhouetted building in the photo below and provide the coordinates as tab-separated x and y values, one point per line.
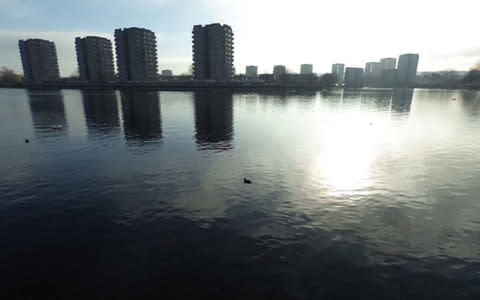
214	120
141	116
95	58
407	70
101	112
136	51
306	69
353	77
47	110
267	78
388	78
388	63
372	68
251	71
213	52
39	60
338	72
278	71
167	73
372	73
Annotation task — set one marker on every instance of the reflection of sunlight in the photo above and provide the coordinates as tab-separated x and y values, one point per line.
344	164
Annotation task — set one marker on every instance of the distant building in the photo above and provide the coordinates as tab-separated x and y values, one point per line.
213	52
388	78
338	72
278	71
407	69
388	63
39	60
136	54
95	58
306	69
372	73
353	77
167	73
251	71
372	68
267	78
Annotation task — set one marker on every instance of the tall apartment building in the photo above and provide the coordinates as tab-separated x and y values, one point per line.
338	71
278	71
95	58
212	52
354	77
388	63
251	71
306	69
39	60
136	54
372	68
372	74
407	69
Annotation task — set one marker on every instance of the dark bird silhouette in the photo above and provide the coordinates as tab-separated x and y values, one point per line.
27	141
247	181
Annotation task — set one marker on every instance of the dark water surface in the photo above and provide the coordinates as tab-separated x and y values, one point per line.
371	194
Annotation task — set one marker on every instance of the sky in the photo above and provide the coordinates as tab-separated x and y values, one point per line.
266	32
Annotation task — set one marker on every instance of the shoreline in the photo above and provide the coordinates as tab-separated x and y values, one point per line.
192	86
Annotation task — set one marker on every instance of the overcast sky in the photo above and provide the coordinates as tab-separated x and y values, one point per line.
446	34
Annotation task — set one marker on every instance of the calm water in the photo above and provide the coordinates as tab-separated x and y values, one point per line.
356	194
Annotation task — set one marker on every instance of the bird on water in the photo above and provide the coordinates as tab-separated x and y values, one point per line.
27	141
247	181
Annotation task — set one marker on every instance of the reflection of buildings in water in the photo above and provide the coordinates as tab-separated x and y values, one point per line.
101	111
214	119
141	115
47	110
274	94
380	98
332	98
351	95
402	100
471	102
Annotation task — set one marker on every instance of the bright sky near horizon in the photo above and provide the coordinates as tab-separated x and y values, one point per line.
266	32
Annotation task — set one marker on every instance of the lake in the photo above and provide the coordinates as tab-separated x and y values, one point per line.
361	194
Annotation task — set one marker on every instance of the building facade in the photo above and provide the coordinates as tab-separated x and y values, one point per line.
278	71
167	73
251	71
407	70
338	72
136	51
372	73
212	49
388	63
306	69
39	60
353	77
372	68
95	58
